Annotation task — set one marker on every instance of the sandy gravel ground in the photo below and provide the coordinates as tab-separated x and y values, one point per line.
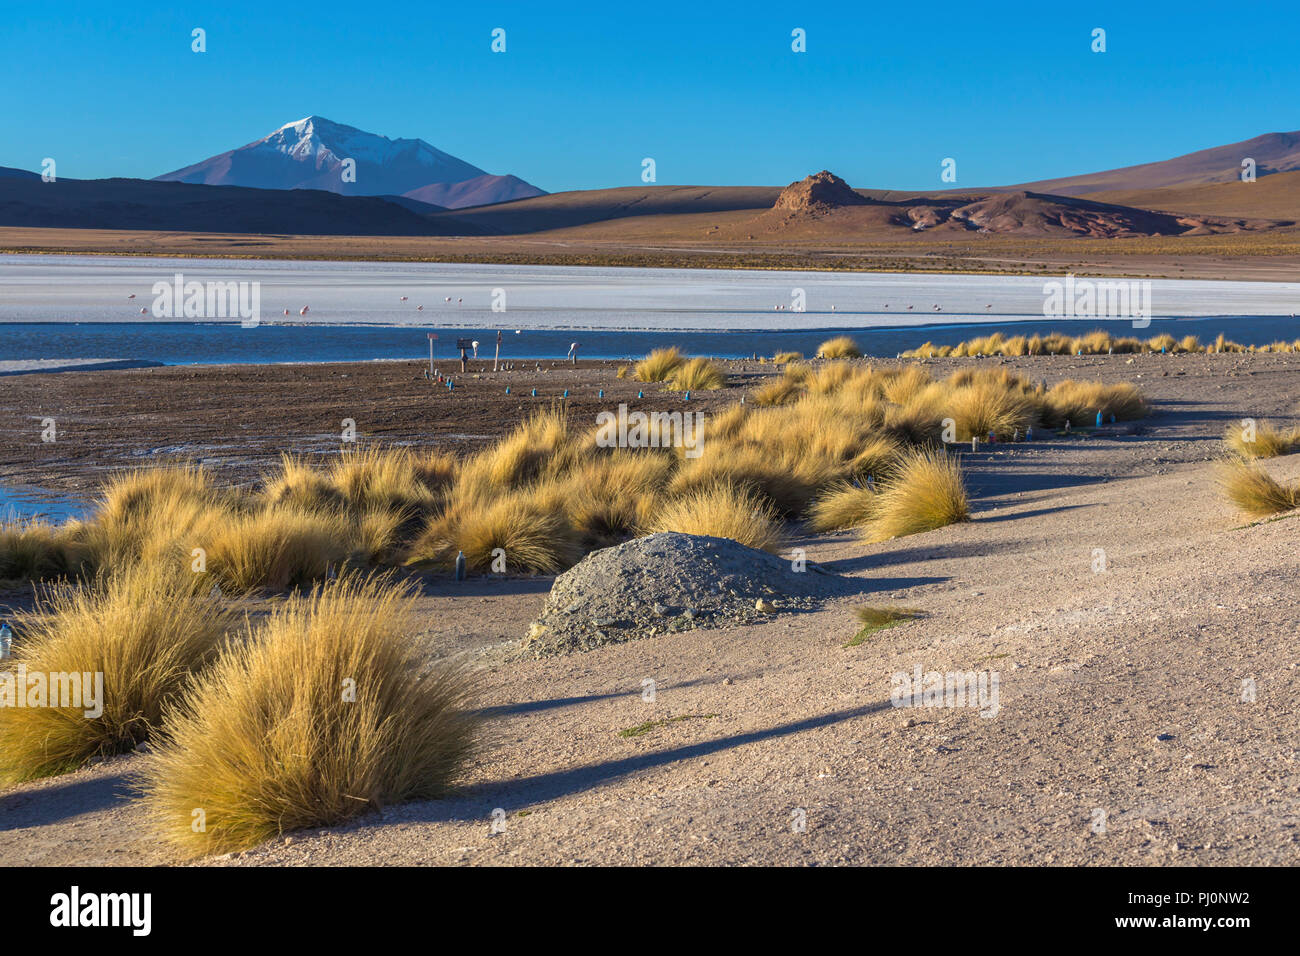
1120	691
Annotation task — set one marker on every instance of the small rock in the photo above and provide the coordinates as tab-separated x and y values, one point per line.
767	607
659	610
1164	737
726	681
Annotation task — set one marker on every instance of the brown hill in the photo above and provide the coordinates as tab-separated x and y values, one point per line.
1274	197
1273	153
801	213
582	207
172	206
817	194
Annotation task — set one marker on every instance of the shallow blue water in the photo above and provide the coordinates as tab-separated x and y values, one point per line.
181	343
22	503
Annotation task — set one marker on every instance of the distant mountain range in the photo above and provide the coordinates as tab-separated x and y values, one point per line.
316	153
294	182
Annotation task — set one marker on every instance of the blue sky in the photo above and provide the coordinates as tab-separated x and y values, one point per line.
712	92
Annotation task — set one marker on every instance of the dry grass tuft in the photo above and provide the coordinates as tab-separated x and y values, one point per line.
144	629
658	365
1261	440
529	525
843	505
839	347
779	391
722	511
925	493
1255	491
326	711
276	548
697	375
1079	402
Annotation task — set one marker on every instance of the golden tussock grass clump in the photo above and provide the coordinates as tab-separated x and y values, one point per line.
608	498
1255	491
798	372
436	470
144	629
784	479
275	548
148	513
722	511
1252	439
829	378
539	447
697	375
377	477
1097	342
622	372
33	550
779	391
784	358
325	711
986	407
296	484
528	524
839	347
727	423
902	386
842	505
658	365
926	492
1079	402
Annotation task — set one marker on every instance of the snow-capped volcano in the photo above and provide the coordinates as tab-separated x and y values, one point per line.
314	153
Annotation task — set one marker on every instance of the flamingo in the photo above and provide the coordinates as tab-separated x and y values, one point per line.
304	310
989	306
937	309
131	296
448	299
419	308
909	306
459	301
286	311
403	298
144	311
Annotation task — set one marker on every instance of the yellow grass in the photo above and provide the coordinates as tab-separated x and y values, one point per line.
779	391
1262	440
697	375
535	535
1079	402
843	505
275	548
39	551
722	511
658	365
926	492
839	347
1097	342
1255	491
144	629
326	711
377	477
783	358
986	407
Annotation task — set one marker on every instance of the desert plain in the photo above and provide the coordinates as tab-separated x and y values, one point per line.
1143	632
